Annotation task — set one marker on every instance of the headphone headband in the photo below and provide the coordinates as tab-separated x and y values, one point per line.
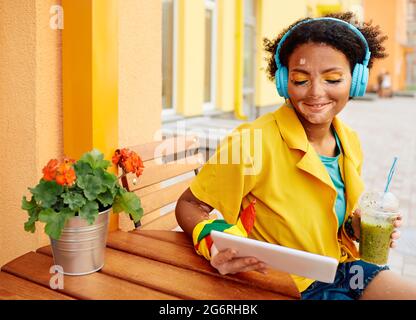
349	25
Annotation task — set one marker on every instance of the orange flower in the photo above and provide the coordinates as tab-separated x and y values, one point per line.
129	161
65	175
138	165
116	158
49	171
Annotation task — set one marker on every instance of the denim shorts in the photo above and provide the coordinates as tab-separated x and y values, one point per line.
350	281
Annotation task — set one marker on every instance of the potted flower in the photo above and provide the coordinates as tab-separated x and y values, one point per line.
74	199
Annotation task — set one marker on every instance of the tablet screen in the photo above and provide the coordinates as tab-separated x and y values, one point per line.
301	263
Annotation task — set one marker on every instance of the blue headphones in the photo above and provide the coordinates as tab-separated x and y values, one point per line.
359	75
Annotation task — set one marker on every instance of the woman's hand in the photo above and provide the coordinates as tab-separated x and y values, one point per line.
356	220
226	263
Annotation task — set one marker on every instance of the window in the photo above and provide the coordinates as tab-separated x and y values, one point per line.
168	52
249	57
210	49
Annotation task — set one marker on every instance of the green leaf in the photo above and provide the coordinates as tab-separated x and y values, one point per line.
33	211
129	203
55	221
107	179
74	200
82	168
90	185
89	212
106	198
96	159
46	193
30	224
46	214
28	205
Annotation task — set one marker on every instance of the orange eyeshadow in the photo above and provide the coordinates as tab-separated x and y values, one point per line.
299	77
332	76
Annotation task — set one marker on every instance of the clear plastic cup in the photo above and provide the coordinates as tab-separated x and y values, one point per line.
378	212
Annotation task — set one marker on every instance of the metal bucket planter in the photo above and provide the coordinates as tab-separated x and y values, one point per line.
81	248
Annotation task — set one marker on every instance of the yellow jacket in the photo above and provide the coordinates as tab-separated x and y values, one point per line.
272	161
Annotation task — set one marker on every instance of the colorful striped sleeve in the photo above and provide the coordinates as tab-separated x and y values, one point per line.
201	233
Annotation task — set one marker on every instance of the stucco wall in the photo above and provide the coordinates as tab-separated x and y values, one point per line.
190	57
140	75
225	89
273	17
390	18
30	113
140	72
31	101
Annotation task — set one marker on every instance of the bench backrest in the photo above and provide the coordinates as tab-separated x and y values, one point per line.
170	166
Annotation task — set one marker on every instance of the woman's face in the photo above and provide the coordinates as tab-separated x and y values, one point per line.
319	82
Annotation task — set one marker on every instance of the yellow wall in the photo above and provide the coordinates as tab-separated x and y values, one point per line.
321	7
140	81
31	101
90	79
30	114
226	55
190	57
272	19
140	84
390	16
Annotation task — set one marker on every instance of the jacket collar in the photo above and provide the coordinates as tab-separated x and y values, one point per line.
295	137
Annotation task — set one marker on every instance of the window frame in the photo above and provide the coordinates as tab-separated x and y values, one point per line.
210	106
173	111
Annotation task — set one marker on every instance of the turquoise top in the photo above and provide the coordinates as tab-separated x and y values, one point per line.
332	166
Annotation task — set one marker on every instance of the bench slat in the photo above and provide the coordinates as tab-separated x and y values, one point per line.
185	257
178	237
164	196
177	281
166	222
14	288
166	147
157	173
35	267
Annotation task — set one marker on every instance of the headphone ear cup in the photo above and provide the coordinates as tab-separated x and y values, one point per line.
363	81
278	82
354	80
284	76
281	78
359	88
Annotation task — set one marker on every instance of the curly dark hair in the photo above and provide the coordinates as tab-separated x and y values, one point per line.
331	33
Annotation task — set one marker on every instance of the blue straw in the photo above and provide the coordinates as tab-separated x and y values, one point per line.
393	167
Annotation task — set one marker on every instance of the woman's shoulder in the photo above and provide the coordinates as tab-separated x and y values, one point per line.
350	138
266	123
348	131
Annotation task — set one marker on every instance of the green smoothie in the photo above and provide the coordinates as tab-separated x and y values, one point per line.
375	240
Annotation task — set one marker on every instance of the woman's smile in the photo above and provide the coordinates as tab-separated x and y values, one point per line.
317	107
319	87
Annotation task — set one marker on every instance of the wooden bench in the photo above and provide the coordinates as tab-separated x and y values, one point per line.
170	166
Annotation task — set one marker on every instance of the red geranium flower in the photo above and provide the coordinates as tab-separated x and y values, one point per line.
129	161
49	171
65	175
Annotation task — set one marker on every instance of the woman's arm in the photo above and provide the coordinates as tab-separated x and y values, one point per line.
189	212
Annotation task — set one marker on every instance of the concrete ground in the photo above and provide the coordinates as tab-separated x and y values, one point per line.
387	128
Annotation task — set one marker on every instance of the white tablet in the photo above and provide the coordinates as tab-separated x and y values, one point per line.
301	263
